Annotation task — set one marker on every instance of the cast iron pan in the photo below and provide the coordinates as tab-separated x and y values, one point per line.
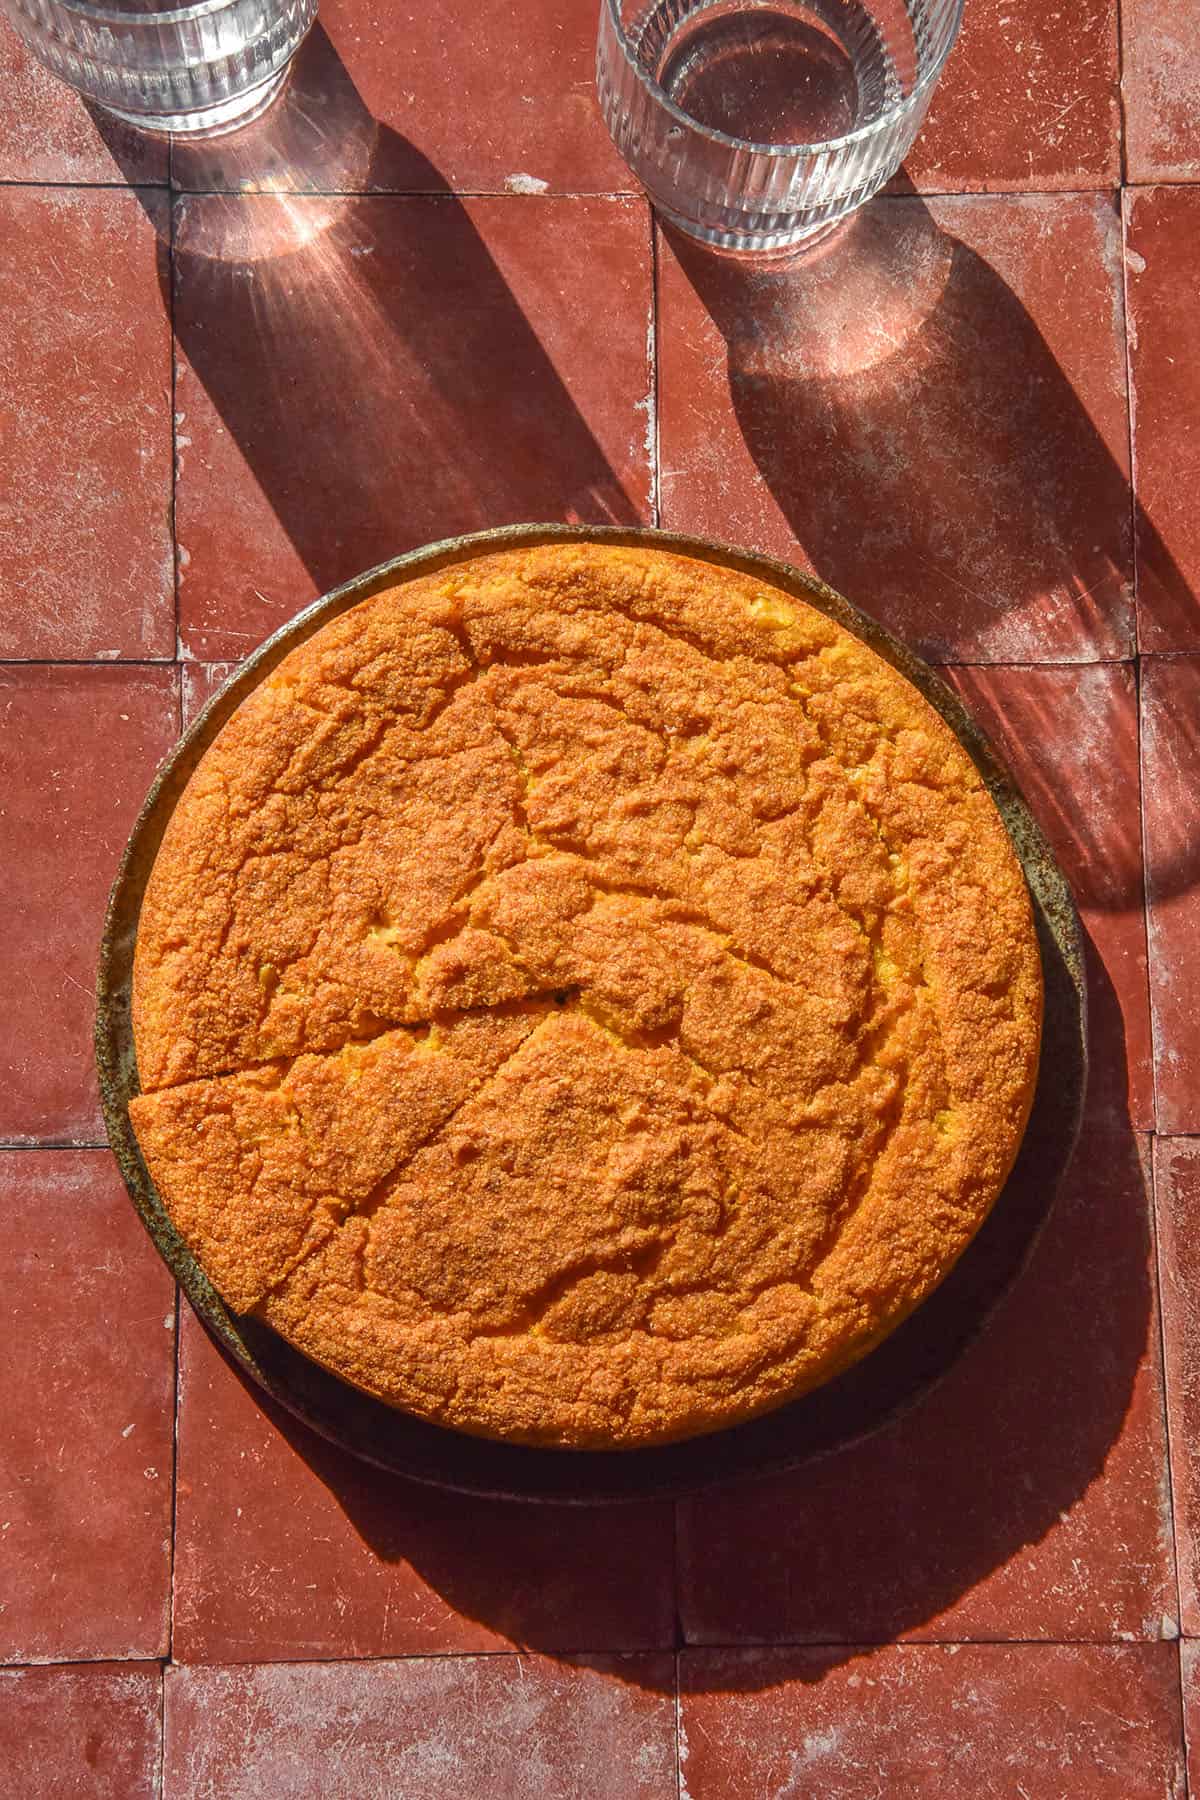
891	1378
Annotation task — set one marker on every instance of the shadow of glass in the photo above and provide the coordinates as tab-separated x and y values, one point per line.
372	420
305	343
895	362
1164	592
383	384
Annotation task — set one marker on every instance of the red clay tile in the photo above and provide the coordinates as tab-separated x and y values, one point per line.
81	1733
200	682
344	1561
1070	736
1163	261
1189	1656
1160	47
86	1414
393	371
513	1727
1028	99
1025	1497
1170	779
85	427
930	411
1177	1196
510	108
933	1722
47	134
77	750
511	100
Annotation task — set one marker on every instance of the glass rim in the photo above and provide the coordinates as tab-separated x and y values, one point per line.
167	15
821	146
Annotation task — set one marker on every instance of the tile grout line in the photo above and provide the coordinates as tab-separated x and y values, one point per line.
174	417
319	193
679	1637
653	433
1181	1721
1147	866
162	1730
1130	419
179	684
106	1660
767	1646
614	194
1162	1351
1122	121
88	662
13	1146
752	1647
175	1373
1126	203
84	187
679	1781
759	1647
1156	1135
677	1631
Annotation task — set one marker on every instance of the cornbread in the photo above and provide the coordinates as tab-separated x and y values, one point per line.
584	997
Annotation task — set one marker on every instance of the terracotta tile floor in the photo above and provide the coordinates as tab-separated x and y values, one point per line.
1163	266
424	296
1100	1721
1030	100
85	454
493	327
87	1731
1160	42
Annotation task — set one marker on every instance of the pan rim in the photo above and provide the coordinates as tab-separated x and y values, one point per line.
439	1456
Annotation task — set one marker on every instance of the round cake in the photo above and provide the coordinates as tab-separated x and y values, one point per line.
583	997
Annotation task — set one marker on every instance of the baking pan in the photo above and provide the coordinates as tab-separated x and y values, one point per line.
890	1379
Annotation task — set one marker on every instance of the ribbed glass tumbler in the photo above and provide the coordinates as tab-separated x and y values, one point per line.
198	69
757	124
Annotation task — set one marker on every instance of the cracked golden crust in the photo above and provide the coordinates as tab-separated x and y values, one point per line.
584	997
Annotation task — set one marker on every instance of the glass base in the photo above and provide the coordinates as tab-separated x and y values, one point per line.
209	121
790	240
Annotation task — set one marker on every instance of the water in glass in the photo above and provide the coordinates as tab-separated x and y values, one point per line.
756	123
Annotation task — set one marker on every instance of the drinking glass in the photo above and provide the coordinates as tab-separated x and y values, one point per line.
198	69
757	124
